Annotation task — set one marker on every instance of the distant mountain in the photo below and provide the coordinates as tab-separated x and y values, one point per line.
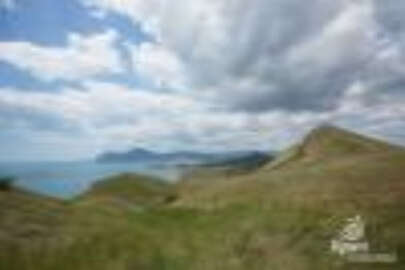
137	154
181	157
248	161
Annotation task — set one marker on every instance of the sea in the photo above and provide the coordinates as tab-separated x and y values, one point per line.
68	179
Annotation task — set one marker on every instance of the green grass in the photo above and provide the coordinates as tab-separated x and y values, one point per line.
278	217
130	189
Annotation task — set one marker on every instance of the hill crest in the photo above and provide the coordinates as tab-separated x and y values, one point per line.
329	142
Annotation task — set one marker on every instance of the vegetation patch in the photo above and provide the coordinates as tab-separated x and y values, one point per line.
6	183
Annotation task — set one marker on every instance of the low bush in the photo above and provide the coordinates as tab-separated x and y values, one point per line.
6	183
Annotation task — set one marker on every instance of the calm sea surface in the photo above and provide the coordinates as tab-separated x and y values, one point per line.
68	179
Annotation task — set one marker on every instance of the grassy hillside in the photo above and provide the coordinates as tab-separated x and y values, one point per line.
110	227
130	189
28	223
310	190
281	216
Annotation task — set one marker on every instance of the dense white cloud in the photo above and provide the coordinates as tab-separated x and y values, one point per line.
158	64
97	103
105	116
82	57
252	74
113	115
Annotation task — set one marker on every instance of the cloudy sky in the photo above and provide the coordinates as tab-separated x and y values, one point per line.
78	77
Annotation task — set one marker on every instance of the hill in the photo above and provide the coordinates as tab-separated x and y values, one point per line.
130	190
324	148
329	142
28	222
279	217
308	191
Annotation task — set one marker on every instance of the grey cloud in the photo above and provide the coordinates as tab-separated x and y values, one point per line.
390	15
256	42
384	76
302	55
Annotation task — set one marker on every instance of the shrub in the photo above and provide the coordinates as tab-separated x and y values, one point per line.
171	198
6	183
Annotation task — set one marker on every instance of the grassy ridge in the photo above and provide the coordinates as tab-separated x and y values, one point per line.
277	217
130	189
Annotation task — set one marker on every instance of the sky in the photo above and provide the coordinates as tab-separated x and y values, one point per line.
80	77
